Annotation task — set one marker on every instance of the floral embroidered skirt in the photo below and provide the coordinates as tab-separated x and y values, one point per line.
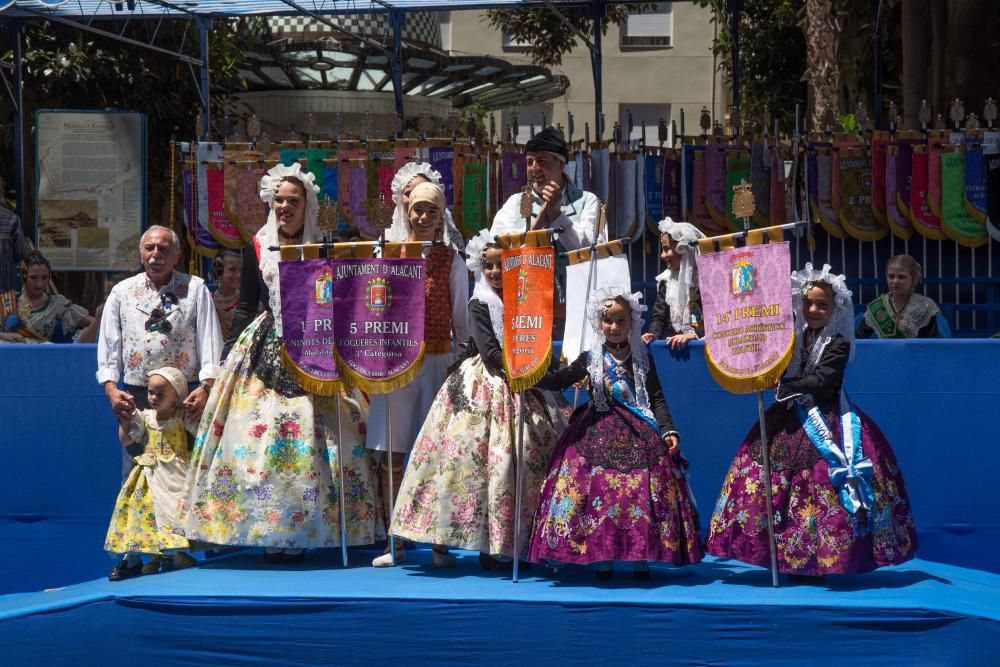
815	535
264	469
613	492
134	527
459	486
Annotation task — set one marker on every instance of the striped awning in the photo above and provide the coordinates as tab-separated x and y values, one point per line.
137	9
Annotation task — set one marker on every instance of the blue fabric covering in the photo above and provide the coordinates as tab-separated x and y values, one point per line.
62	463
238	611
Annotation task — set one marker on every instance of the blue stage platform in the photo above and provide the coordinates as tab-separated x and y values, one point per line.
936	400
238	611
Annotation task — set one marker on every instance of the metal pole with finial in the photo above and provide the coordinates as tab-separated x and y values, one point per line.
743	207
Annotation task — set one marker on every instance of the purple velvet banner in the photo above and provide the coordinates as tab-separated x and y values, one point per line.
307	324
747	304
442	159
513	174
379	329
672	187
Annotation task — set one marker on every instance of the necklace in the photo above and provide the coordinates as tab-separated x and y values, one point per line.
897	315
285	235
617	347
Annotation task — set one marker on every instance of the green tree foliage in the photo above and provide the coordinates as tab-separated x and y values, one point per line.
549	38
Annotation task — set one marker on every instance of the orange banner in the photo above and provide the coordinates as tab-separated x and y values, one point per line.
528	275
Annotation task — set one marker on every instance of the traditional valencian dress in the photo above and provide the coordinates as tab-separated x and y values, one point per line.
146	512
840	504
264	467
459	487
56	322
613	491
917	319
675	312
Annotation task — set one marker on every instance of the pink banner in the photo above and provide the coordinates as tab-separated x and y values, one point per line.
746	298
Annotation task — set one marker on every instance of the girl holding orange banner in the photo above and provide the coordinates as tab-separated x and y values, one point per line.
459	487
616	488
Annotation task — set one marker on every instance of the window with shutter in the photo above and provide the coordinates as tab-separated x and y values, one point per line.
649	29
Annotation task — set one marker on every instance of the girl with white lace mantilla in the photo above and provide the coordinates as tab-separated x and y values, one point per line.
676	315
840	505
616	488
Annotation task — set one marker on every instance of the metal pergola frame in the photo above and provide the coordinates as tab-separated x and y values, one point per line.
82	14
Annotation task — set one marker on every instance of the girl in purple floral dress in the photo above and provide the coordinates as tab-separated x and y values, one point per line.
616	488
840	505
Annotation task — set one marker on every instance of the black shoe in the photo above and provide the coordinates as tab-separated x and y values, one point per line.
122	570
293	559
274	557
489	563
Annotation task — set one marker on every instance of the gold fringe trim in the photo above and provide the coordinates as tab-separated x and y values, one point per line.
311	383
976	241
528	381
381	385
860	234
977	215
932	233
749	385
831	227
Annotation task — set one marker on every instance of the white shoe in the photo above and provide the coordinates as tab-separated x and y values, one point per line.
385	560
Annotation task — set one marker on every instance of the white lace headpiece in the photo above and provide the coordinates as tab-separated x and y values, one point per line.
482	292
600	300
841	320
678	291
400	229
268	234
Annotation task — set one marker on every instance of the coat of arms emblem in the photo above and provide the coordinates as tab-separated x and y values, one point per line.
378	295
744	277
324	289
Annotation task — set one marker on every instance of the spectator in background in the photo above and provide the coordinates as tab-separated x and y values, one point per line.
901	313
13	245
158	318
228	266
43	317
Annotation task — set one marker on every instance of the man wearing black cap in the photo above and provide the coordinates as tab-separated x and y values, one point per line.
555	202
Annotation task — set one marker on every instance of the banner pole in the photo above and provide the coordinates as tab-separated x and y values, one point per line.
340	472
392	500
598	224
517	484
768	502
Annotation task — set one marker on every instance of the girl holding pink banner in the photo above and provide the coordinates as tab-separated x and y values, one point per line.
460	483
676	315
446	320
264	466
839	500
616	487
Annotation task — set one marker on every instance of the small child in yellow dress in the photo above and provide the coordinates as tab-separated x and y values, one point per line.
146	512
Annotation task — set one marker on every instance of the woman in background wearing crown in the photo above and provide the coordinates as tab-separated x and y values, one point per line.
840	505
264	469
446	324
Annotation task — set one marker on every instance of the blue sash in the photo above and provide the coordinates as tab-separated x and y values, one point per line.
850	471
623	390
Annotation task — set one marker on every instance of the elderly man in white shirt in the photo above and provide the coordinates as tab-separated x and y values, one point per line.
158	318
555	202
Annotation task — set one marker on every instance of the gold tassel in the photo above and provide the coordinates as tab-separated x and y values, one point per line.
379	386
531	379
749	385
311	384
